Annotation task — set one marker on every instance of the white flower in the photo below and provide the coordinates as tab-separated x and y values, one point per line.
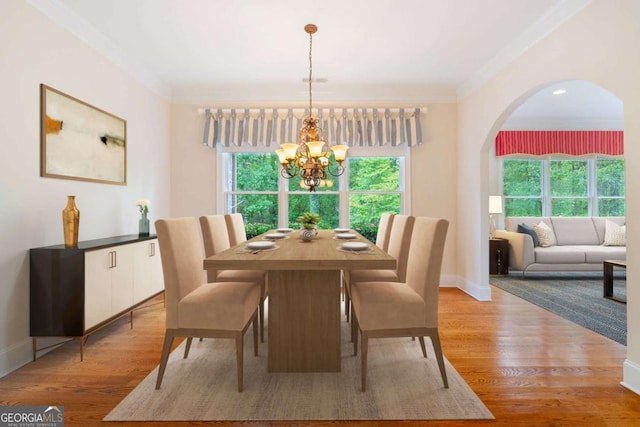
143	205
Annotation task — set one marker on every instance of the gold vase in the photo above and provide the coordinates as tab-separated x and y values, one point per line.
70	223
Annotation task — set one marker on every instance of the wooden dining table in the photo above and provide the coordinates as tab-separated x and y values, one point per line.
304	295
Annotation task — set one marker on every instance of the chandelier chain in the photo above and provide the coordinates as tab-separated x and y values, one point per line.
310	69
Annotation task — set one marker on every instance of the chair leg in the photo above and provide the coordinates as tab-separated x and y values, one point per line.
166	348
261	314
424	349
363	359
347	303
435	340
354	332
255	336
239	357
187	347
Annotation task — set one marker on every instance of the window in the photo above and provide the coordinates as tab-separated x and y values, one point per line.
370	186
374	188
251	188
568	185
522	187
559	187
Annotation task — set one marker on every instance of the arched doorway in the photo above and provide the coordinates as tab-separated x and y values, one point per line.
547	175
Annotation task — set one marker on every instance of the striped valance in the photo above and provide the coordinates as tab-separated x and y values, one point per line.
271	127
568	142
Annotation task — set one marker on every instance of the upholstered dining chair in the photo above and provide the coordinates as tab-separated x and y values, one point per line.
384	230
215	236
408	308
398	247
197	309
235	225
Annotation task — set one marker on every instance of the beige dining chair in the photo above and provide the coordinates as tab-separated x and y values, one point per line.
235	225
384	231
399	237
408	308
215	237
197	309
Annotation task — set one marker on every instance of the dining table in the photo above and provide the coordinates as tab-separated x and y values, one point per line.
304	289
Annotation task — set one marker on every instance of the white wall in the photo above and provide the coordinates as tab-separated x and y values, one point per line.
600	45
34	50
433	171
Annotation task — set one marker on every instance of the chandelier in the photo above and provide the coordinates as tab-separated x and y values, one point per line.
309	158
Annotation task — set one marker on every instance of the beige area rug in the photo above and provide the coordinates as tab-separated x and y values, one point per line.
401	385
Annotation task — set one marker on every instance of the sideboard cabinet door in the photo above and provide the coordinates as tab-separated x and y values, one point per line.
147	270
97	286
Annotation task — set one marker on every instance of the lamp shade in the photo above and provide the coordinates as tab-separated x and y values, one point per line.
495	204
289	150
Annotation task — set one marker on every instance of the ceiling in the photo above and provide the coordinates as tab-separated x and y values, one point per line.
199	51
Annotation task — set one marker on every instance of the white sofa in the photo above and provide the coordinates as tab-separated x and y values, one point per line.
579	244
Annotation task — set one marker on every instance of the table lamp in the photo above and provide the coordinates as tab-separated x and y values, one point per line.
495	207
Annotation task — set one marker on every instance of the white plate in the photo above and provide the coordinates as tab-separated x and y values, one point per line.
354	246
262	244
285	230
275	236
341	230
346	236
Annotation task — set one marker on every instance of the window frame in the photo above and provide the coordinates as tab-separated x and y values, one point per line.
401	151
545	186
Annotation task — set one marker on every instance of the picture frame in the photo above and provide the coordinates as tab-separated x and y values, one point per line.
79	141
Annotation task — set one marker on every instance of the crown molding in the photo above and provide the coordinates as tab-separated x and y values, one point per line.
72	22
532	35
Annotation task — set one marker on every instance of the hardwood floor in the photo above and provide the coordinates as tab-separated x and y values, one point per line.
529	367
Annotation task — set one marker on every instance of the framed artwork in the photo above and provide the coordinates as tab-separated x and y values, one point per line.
79	141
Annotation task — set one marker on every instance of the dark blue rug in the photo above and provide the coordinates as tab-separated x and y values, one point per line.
576	296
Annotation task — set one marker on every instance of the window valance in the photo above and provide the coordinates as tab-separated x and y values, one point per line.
271	127
573	143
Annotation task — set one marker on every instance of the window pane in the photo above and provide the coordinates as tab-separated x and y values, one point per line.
260	211
569	207
611	207
610	177
568	177
523	206
374	173
253	172
326	205
366	209
522	178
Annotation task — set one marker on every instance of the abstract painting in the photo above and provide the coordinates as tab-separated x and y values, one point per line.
79	141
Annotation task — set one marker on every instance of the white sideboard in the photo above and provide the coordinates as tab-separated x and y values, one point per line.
76	291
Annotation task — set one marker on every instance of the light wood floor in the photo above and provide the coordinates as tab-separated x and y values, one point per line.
529	367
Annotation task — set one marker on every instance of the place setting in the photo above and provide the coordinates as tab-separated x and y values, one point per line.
275	236
258	246
355	248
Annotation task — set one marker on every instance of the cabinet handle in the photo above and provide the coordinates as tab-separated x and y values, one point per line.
110	259
152	249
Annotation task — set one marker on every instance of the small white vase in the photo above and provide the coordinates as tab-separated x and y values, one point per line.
308	235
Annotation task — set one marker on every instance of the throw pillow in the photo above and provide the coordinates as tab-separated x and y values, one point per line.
614	234
526	229
546	237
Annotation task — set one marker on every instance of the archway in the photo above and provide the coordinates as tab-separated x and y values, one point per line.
556	108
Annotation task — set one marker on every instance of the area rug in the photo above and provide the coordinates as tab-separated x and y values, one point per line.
401	385
576	296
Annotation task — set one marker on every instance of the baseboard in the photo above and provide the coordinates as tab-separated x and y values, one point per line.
479	292
631	376
15	356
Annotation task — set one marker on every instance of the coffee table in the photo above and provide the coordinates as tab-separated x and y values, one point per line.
607	280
